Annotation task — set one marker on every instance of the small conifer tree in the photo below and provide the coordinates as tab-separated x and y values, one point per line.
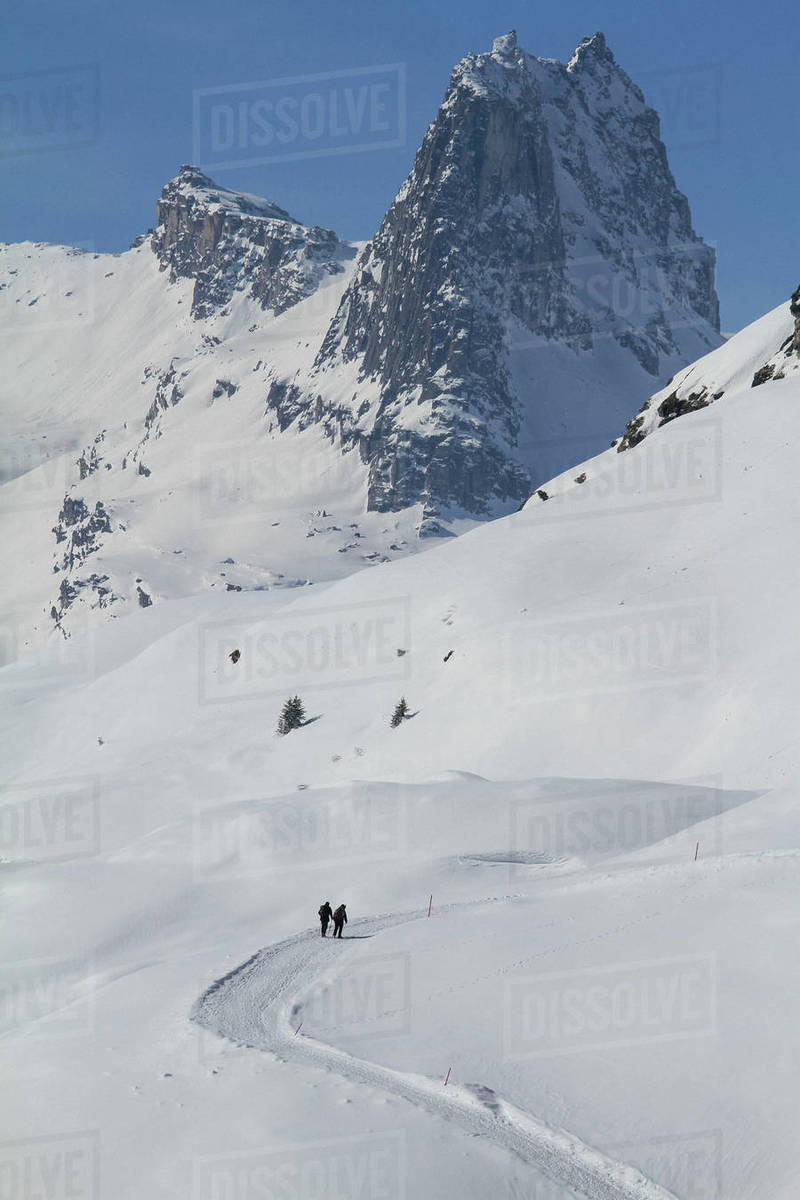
400	713
293	714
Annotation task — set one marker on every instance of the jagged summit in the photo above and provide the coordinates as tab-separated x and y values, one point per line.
502	47
588	49
508	68
232	242
192	184
538	242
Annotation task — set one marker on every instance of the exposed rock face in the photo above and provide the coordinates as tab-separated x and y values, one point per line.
540	210
168	394
96	588
763	374
80	529
777	367
91	458
671	407
228	241
677	406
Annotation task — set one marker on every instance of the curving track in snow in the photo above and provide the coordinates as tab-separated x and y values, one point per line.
253	1004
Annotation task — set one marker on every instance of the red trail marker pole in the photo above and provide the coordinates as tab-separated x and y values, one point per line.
696	849
447	1076
430	902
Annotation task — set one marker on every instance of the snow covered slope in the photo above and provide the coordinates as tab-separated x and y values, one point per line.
598	788
242	401
137	455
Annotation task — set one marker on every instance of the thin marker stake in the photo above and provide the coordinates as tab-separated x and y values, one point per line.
447	1076
299	1027
430	902
697	847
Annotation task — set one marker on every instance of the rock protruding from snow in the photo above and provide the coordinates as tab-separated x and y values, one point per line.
503	47
777	367
540	212
794	308
168	394
78	534
588	49
80	529
707	381
230	241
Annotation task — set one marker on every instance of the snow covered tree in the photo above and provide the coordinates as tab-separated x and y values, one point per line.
293	714
400	712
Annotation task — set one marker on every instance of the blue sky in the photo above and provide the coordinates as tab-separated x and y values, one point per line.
97	103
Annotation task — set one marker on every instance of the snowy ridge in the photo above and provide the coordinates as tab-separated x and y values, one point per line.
707	381
193	186
734	369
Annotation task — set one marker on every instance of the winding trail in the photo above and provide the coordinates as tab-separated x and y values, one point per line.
253	1005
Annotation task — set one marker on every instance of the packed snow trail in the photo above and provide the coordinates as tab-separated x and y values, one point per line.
252	1006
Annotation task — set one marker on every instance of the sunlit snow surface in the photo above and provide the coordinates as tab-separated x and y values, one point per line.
597	795
209	480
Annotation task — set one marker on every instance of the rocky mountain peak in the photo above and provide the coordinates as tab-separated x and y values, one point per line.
231	242
503	47
589	51
540	219
195	188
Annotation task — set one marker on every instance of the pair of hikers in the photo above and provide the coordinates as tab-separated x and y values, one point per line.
339	918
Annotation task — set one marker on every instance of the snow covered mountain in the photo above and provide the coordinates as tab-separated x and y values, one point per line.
138	461
228	241
571	869
242	401
537	268
596	793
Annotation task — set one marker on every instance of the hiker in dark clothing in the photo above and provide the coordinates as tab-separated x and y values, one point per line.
339	921
325	915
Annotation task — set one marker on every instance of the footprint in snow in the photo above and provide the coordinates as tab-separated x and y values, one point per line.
485	1095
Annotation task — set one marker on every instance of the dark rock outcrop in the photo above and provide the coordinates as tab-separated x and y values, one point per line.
90	458
794	308
223	387
634	430
168	393
80	529
763	374
228	241
688	398
94	589
790	347
676	406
